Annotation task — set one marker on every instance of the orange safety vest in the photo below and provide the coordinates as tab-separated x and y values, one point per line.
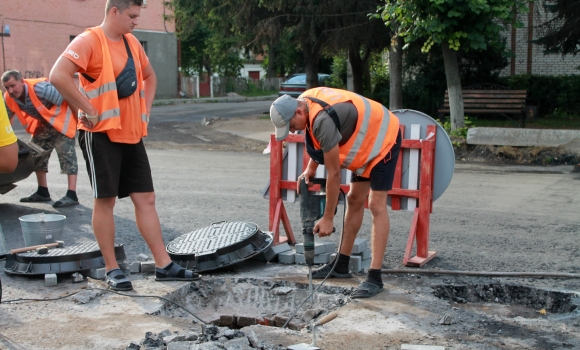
375	133
103	92
59	117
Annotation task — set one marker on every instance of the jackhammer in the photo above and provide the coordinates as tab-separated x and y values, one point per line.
312	208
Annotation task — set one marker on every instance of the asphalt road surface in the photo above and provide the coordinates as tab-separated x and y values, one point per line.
196	112
491	218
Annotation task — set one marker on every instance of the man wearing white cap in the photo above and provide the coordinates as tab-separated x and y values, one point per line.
346	130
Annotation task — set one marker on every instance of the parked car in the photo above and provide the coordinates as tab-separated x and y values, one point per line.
296	84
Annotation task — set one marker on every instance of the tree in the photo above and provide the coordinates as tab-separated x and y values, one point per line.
396	70
563	30
453	25
360	36
209	40
266	25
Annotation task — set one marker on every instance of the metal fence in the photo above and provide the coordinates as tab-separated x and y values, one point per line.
221	86
189	87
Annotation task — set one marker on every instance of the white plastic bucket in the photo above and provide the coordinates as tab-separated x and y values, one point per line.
42	228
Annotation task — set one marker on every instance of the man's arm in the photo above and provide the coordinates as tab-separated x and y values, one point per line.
61	76
150	80
325	225
9	112
9	156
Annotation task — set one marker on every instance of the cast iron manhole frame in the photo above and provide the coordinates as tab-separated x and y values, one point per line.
79	257
219	245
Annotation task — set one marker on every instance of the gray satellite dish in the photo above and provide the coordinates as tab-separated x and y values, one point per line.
444	154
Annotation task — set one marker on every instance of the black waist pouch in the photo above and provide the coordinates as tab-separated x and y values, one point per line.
126	81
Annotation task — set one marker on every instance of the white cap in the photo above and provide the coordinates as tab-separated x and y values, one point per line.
281	111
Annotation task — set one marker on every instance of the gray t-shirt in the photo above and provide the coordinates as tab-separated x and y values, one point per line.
325	130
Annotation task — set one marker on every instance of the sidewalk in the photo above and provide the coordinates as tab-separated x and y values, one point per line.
237	98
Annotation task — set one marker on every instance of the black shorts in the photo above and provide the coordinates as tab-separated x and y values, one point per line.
383	172
115	169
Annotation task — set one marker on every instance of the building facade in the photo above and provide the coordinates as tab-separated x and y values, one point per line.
529	58
36	32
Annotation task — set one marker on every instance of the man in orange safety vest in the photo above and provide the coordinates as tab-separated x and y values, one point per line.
52	124
345	130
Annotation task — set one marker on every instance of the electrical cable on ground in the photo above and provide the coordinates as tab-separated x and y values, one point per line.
482	273
107	291
333	266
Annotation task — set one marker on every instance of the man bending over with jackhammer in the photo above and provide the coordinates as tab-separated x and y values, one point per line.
346	130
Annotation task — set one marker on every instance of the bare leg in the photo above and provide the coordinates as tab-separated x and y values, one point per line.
72	182
354	214
381	227
104	228
41	178
149	226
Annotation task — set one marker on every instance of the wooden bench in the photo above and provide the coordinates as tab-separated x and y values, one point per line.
490	99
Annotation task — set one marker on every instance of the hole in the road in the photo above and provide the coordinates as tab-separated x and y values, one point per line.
551	301
241	302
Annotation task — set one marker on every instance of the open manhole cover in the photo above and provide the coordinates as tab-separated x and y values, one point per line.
79	257
218	245
241	302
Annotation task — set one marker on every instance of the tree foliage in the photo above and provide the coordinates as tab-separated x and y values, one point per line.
281	29
209	41
453	25
465	24
563	30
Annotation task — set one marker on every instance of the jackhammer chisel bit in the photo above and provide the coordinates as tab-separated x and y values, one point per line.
311	209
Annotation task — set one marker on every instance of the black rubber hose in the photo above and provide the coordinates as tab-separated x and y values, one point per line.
481	273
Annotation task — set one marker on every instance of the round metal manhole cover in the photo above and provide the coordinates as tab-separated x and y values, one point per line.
79	257
218	245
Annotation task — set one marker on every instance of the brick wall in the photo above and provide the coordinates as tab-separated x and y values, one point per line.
40	30
542	64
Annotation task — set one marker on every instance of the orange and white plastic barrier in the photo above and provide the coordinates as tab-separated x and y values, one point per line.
283	175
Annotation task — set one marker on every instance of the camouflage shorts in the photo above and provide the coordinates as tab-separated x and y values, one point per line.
49	138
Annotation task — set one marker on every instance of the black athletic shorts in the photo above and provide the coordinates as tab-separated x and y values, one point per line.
115	169
383	172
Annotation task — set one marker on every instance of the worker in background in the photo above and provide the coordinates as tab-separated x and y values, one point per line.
52	124
8	145
117	87
346	130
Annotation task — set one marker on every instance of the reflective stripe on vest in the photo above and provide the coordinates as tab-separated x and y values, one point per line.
103	91
59	117
374	135
98	91
377	146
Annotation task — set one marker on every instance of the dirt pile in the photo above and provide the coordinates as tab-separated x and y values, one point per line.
514	155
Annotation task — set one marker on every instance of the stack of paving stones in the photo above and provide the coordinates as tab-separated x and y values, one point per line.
211	337
324	252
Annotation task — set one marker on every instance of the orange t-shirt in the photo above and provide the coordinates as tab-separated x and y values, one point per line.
85	51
